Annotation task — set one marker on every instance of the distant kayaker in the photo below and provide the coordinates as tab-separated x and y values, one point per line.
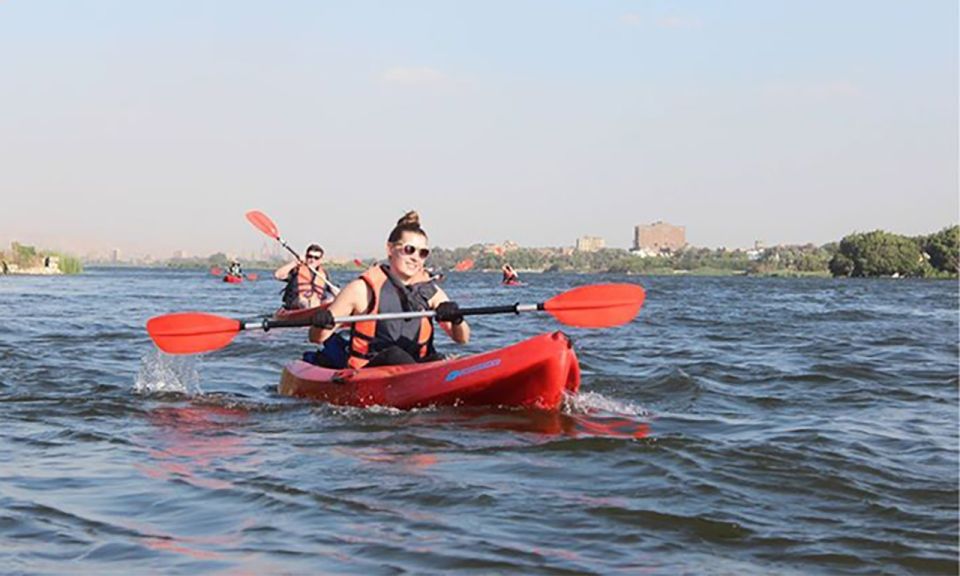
401	285
235	269
510	275
305	288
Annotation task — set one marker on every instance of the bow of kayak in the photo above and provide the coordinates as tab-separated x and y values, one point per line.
533	373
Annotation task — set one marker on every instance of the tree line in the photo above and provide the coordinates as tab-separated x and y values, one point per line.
876	253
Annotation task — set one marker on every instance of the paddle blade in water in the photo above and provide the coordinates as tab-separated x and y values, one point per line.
263	223
597	305
464	265
191	332
252	277
216	271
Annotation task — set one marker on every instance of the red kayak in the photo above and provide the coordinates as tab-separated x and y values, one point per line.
534	373
233	279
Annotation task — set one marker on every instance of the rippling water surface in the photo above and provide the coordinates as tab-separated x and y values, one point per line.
738	425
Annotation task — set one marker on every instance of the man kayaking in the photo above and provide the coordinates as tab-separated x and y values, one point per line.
401	285
306	287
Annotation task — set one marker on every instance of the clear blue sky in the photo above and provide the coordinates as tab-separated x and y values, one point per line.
153	126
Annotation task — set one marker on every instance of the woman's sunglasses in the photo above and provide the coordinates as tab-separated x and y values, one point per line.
410	250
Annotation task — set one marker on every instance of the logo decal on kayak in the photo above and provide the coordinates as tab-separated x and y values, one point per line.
471	369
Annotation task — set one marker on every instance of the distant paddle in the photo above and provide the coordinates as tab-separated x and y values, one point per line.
594	306
464	265
216	271
263	223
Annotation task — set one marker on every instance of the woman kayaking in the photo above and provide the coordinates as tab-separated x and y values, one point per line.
306	282
401	285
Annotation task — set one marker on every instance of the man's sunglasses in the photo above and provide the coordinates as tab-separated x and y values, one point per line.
314	256
410	250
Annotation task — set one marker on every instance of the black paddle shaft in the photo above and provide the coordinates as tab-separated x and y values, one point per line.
517	308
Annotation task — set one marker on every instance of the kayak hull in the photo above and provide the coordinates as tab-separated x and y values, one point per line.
534	373
233	279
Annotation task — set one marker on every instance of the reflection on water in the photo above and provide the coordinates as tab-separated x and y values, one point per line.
187	441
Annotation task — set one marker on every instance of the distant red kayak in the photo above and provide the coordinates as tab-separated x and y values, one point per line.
534	373
233	279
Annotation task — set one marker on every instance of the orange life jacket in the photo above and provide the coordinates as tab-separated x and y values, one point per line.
307	281
302	282
364	334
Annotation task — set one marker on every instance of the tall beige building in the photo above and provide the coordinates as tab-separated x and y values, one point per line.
658	238
590	244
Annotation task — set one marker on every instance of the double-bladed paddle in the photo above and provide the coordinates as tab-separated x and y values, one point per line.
264	224
594	306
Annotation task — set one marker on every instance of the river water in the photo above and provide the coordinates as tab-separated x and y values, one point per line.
737	426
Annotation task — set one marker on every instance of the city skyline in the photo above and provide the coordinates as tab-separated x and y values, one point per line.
153	127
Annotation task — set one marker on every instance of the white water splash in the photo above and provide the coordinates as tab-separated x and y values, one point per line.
586	402
161	372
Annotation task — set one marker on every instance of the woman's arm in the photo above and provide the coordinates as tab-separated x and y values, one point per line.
353	299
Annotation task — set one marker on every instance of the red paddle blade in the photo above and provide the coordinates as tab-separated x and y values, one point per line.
597	306
216	271
464	265
252	277
358	262
263	223
191	332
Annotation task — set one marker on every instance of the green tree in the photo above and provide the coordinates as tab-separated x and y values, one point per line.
879	253
944	249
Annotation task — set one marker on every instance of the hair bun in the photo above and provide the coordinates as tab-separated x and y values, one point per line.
411	218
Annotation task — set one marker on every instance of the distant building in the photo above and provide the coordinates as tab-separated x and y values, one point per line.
180	254
590	244
115	256
658	238
757	250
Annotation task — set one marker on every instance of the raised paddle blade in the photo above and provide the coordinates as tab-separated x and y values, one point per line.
358	262
192	332
252	277
263	223
597	305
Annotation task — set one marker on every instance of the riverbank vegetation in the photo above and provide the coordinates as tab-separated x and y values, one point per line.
871	254
876	253
22	259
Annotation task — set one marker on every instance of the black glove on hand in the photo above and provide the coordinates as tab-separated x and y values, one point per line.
449	311
323	319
